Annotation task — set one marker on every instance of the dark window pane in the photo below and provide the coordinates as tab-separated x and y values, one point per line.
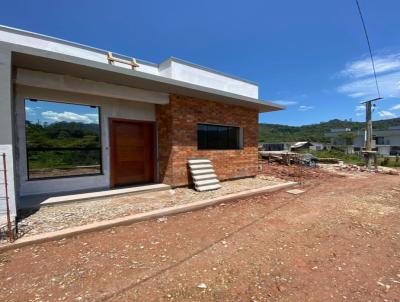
62	139
215	137
233	138
212	137
223	137
202	137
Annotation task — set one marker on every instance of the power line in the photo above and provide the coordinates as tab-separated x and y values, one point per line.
369	47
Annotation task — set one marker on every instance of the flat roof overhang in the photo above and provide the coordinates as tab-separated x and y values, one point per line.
46	61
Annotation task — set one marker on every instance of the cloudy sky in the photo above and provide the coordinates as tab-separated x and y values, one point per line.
309	55
51	112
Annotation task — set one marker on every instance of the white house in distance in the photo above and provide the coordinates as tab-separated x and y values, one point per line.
385	142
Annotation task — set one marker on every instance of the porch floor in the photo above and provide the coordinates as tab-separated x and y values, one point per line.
36	201
61	216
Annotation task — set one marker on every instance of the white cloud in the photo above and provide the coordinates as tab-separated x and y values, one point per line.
386	114
305	108
395	107
389	85
70	117
29	109
284	102
363	67
360	108
361	83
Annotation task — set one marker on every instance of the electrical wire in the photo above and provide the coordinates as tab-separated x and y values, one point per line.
369	47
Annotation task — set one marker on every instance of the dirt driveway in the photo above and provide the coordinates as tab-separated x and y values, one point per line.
338	241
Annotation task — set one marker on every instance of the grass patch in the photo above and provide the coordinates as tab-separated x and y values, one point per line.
347	158
393	162
354	159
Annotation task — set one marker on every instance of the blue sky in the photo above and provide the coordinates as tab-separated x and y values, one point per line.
52	112
310	54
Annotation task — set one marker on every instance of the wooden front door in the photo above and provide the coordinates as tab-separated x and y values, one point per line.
132	152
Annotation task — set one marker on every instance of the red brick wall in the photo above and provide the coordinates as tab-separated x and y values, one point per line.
177	134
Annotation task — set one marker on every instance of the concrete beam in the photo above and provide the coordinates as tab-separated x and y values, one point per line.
76	85
36	59
5	97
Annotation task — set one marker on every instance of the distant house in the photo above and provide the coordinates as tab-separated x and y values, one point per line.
385	142
293	146
73	118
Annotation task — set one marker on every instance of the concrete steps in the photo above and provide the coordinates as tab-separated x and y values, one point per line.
203	174
208	188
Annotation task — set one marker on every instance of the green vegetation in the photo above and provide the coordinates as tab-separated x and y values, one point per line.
274	133
347	158
355	159
393	162
62	145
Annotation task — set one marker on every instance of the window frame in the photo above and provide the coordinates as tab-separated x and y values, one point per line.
240	138
101	172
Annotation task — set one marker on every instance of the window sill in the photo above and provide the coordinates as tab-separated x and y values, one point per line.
63	177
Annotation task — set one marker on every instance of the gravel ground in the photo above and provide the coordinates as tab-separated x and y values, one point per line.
338	241
53	218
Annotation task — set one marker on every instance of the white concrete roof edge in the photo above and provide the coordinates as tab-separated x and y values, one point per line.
175	59
46	37
16	48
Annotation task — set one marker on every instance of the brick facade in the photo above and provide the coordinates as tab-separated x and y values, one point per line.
177	138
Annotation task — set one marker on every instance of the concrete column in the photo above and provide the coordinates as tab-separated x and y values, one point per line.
6	132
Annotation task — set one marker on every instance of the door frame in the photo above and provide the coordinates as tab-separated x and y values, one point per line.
111	122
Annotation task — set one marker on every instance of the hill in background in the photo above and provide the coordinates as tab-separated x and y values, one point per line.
275	133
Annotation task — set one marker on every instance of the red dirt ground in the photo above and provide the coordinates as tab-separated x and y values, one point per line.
340	240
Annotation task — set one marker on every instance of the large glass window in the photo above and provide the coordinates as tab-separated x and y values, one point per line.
380	140
62	139
216	137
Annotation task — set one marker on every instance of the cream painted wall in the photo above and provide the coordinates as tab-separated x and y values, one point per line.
108	108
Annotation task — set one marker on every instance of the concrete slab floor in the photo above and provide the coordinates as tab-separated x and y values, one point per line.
61	216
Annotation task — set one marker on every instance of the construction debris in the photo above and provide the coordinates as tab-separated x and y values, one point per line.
295	191
328	160
355	168
202	285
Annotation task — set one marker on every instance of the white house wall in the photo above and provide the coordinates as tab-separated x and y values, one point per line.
359	141
394	139
109	108
187	72
6	133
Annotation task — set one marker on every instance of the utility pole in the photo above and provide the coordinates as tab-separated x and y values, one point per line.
368	153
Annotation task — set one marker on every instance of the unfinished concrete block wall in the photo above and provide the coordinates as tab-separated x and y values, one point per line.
177	134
